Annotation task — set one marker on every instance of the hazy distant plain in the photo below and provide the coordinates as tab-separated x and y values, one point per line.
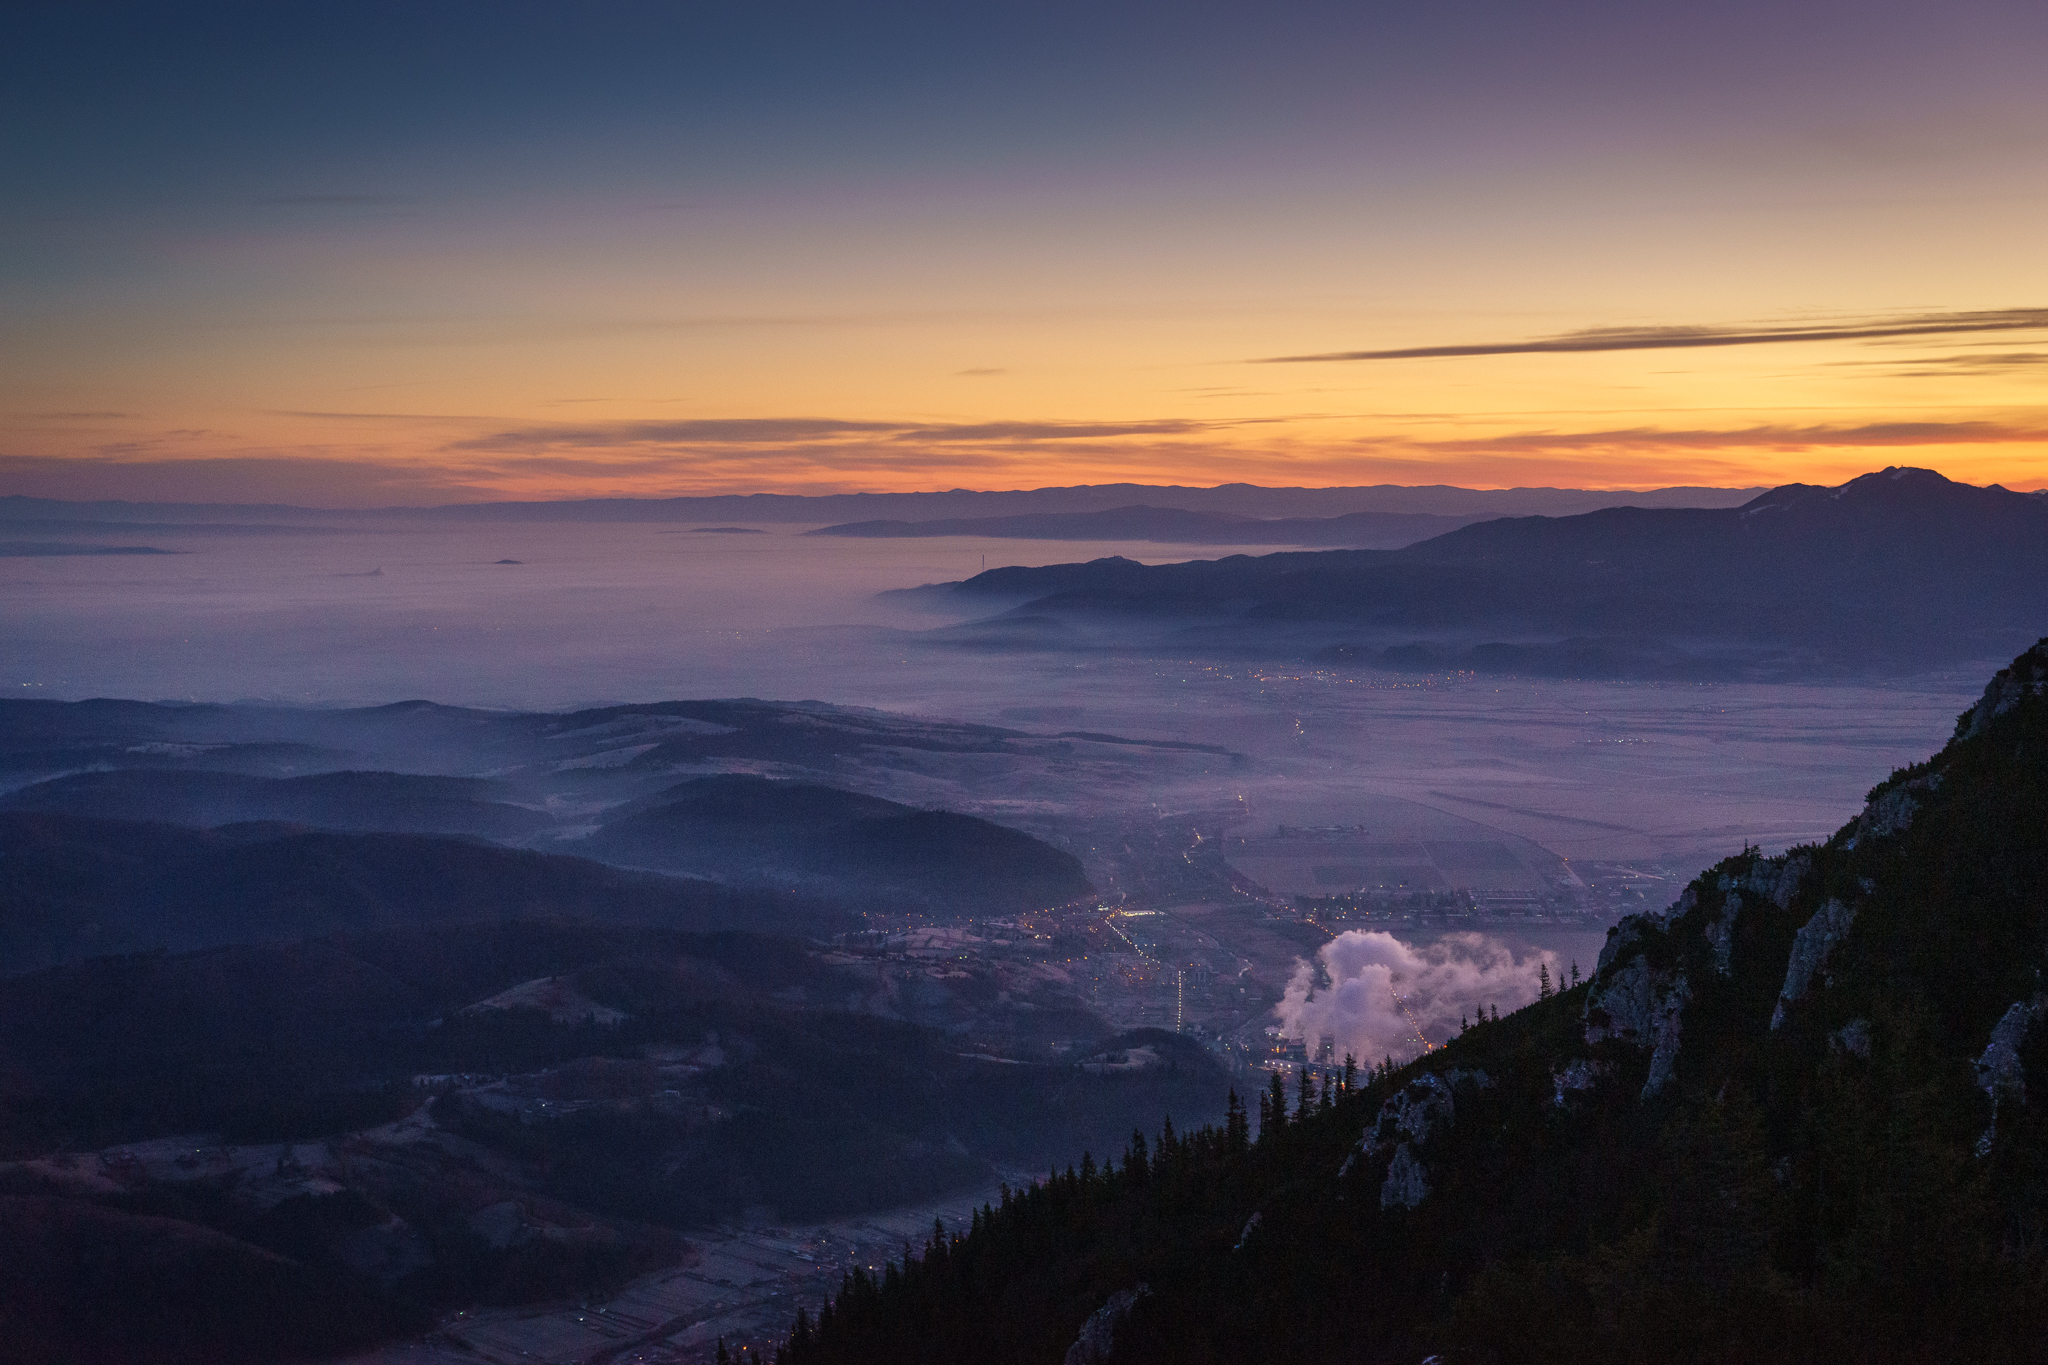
1665	773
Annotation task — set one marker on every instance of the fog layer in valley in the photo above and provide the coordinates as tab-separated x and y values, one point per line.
1638	781
617	613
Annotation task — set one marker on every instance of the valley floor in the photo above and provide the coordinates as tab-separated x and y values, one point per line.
742	1284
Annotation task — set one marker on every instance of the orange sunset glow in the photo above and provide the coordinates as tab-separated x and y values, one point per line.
923	277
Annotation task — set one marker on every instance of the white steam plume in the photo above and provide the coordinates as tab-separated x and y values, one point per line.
1370	992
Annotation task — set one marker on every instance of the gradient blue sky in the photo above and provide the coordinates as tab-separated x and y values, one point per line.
379	253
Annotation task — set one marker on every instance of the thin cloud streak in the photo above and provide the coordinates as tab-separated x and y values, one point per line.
1053	431
1949	366
779	431
1783	438
1688	338
713	431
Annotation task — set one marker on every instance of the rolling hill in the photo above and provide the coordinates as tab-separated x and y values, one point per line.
755	831
73	887
391	802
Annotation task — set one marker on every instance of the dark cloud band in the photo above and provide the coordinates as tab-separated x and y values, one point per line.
1776	438
1685	338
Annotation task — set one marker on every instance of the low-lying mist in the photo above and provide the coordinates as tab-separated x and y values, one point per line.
618	613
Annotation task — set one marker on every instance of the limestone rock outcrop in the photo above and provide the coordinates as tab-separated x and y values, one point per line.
1639	1003
2028	677
1811	947
1098	1335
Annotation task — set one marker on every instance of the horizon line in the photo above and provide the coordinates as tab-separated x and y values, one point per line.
901	493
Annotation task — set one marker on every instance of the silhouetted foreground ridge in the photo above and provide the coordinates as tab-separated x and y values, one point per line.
1802	1114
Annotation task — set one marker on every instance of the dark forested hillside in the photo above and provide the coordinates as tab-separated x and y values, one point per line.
640	786
389	802
760	832
73	887
1802	1114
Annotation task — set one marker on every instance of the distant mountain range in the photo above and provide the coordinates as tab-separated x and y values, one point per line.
1896	570
1232	499
51	549
1176	526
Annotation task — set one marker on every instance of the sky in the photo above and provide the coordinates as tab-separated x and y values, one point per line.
364	254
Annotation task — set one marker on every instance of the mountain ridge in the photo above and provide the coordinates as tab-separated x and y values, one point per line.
1897	570
1175	526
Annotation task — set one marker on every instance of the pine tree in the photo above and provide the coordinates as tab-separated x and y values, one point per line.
1575	971
1543	981
1350	1072
1304	1093
724	1356
1277	1100
1236	1128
